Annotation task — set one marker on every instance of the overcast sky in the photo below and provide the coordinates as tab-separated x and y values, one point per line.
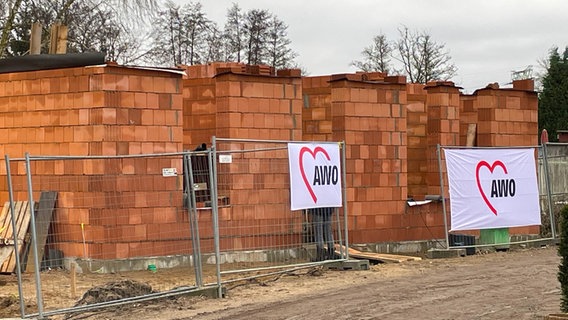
486	39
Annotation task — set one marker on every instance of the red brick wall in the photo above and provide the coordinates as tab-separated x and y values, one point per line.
368	112
93	111
248	102
506	117
391	130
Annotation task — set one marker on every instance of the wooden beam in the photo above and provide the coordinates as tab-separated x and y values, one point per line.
22	217
43	217
58	38
471	140
382	257
35	38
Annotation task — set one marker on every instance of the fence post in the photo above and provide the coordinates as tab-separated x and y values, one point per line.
212	155
344	191
34	238
443	196
18	263
193	224
548	191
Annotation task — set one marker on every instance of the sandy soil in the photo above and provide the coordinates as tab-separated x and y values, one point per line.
518	284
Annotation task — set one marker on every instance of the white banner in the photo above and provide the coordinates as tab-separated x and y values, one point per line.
492	188
315	175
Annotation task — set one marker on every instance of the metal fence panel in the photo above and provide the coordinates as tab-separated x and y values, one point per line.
115	218
257	229
554	157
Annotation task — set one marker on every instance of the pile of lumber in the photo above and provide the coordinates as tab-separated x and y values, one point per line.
8	252
379	257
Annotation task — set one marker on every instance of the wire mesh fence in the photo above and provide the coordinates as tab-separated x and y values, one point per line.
553	173
101	219
164	223
257	229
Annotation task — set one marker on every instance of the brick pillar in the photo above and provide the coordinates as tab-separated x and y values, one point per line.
442	105
371	118
507	117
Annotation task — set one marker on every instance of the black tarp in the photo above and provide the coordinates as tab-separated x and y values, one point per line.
50	61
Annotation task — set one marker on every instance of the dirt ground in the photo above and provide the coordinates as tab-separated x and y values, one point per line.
518	284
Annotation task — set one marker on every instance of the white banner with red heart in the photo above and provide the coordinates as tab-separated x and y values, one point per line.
315	175
492	188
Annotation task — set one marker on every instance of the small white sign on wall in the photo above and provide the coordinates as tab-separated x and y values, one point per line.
169	172
225	158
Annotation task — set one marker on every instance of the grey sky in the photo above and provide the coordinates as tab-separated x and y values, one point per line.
487	39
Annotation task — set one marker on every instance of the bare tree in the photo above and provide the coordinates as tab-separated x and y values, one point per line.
257	24
101	30
183	35
215	44
279	52
234	34
377	56
422	58
12	8
195	26
18	14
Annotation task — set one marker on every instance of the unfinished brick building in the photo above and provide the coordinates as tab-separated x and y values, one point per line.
391	130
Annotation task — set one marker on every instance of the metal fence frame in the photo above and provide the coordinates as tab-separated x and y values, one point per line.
194	228
541	150
194	233
344	236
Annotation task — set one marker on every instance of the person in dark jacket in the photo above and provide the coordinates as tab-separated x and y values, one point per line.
323	232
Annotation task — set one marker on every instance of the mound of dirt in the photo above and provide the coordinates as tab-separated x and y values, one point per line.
10	306
114	291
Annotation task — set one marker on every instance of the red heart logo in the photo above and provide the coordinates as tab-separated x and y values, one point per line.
302	171
491	168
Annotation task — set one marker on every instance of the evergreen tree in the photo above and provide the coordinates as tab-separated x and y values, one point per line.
563	253
553	101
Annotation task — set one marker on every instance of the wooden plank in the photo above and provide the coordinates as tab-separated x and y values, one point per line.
23	225
9	234
471	135
43	217
383	257
22	218
35	38
9	263
4	221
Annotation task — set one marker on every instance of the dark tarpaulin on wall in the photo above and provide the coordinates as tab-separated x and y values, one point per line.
50	61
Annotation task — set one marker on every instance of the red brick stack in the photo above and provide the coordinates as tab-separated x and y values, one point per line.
247	102
232	100
316	115
442	106
370	116
101	110
416	119
507	117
